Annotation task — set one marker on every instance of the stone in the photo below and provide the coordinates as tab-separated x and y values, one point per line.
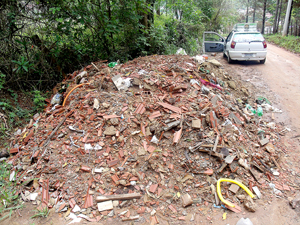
196	123
264	141
270	148
141	152
186	200
249	204
96	103
115	203
229	159
107	205
231	84
234	188
105	105
295	203
147	87
136	82
215	62
109	131
120	139
114	121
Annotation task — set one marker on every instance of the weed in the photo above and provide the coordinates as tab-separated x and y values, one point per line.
44	212
39	100
8	192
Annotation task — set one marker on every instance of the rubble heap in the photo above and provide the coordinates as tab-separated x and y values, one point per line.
147	141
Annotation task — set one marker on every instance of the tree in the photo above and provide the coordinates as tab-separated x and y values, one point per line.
275	18
264	17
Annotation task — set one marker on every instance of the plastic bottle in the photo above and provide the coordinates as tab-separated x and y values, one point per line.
243	221
250	108
259	111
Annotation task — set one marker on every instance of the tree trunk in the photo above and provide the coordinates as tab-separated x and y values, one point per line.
264	17
279	14
254	9
290	22
286	20
275	18
247	13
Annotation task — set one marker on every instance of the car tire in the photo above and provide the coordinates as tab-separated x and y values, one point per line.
224	55
262	61
229	60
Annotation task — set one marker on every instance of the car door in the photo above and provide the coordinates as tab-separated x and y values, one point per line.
213	42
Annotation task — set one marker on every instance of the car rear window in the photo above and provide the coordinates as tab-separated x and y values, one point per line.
247	37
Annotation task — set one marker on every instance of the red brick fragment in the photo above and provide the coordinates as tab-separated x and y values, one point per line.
85	168
112	163
28	137
174	210
153	188
14	150
115	178
61	207
141	210
90	111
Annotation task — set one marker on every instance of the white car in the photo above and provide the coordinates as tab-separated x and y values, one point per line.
244	43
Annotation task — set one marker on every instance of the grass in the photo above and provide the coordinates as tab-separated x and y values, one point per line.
44	212
291	43
9	198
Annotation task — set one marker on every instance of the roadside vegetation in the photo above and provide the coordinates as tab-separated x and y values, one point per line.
9	199
291	43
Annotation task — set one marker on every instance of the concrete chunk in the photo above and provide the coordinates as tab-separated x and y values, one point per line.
196	123
102	206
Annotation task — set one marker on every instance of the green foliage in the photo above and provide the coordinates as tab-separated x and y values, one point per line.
290	42
39	100
2	81
8	192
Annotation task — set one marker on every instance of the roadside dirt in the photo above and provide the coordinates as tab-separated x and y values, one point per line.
277	81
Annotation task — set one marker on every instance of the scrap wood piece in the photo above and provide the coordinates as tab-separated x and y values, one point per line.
211	146
211	153
118	197
216	143
53	132
170	107
131	218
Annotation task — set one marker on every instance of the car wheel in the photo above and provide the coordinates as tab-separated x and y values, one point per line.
229	59
224	55
262	61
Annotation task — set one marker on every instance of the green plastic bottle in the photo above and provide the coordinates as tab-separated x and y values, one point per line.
250	108
260	111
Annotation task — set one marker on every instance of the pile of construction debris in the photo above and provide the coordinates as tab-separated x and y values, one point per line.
147	141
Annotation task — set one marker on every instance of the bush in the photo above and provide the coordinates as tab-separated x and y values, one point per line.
291	43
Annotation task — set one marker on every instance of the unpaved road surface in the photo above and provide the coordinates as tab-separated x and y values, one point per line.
279	78
279	81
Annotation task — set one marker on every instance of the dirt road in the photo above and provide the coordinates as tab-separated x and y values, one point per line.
279	81
279	78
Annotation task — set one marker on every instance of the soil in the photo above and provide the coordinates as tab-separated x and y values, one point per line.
278	81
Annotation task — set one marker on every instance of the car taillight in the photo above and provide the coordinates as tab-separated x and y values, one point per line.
265	44
232	44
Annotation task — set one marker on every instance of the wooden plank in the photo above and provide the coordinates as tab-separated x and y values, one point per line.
118	197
